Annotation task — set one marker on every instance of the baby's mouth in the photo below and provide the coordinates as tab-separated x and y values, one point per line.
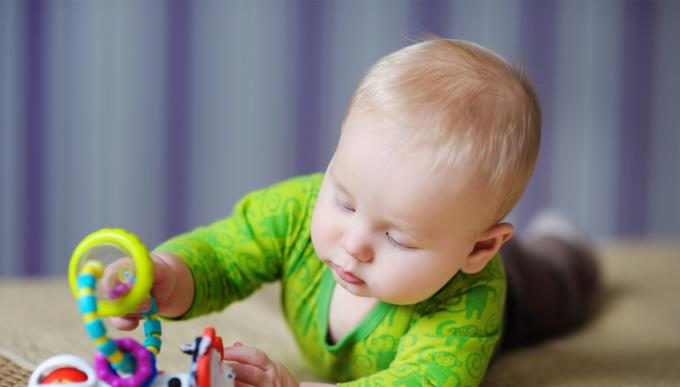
345	275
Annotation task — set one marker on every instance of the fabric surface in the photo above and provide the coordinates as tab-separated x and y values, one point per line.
11	374
632	340
446	339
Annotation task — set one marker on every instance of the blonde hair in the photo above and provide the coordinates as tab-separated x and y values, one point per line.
467	104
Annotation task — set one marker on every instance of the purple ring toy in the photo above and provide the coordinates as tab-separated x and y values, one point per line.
144	365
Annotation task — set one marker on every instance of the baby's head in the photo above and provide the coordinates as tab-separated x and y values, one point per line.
439	143
464	106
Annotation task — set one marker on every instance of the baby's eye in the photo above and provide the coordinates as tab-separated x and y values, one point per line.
398	244
346	207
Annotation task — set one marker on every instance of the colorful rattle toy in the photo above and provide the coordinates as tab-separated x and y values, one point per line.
125	362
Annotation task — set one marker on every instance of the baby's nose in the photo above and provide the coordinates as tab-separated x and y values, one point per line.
358	247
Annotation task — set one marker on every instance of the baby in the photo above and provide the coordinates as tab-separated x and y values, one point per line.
389	261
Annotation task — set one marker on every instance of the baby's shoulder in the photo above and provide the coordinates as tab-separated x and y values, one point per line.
286	195
465	292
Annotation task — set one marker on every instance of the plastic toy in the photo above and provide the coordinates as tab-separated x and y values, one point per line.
125	362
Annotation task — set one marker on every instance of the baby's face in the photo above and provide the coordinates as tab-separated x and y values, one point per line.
387	224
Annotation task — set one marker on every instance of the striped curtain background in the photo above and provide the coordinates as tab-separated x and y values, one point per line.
156	116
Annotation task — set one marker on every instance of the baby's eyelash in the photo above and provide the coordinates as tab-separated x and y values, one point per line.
398	244
345	207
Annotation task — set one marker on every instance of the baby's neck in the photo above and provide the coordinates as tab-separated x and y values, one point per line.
346	312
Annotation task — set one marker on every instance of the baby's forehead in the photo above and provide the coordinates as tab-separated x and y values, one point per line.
441	213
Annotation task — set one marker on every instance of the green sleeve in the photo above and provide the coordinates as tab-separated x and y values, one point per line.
451	342
233	257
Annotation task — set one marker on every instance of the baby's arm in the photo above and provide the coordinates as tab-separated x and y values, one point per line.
231	258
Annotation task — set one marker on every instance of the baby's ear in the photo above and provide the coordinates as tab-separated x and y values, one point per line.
486	247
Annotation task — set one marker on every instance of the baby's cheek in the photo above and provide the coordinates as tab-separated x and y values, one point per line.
320	234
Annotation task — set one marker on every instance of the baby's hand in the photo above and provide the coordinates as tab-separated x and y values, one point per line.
254	368
163	287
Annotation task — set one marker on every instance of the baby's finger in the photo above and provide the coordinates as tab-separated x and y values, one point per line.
139	312
248	374
124	323
112	273
248	355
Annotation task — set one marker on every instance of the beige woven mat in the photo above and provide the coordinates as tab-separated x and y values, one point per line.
633	341
11	374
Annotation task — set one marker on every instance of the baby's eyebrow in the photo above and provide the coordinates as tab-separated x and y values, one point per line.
337	183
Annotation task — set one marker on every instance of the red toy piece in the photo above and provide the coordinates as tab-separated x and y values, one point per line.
209	356
64	375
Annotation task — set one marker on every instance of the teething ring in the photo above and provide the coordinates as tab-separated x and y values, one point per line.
145	367
129	243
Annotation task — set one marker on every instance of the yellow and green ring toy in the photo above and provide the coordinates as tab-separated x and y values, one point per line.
143	269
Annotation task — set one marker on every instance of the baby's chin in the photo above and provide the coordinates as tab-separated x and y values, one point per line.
357	290
401	301
394	299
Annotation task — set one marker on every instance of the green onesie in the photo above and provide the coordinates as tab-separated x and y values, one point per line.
446	340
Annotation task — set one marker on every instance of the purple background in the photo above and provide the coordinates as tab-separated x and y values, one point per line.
157	116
